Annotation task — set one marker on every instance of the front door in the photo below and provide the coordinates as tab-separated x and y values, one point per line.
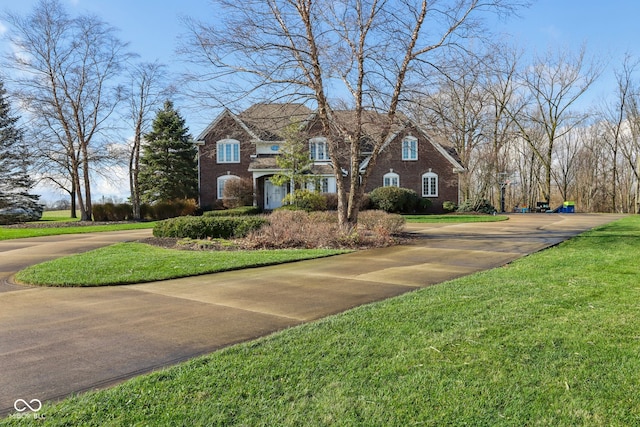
273	195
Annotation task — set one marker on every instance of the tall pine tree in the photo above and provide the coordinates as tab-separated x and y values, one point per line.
15	182
168	166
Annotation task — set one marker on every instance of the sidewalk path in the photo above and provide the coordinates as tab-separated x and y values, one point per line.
59	341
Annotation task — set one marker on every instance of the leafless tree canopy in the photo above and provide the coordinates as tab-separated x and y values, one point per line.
354	54
64	72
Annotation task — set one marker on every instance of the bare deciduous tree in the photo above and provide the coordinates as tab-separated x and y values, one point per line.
359	54
64	73
554	83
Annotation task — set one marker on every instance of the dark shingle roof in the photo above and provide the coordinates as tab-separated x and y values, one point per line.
268	120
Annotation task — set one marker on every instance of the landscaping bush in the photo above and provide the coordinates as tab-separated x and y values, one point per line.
237	193
99	211
239	211
394	199
449	206
203	227
307	200
301	229
476	206
171	209
381	222
112	212
331	201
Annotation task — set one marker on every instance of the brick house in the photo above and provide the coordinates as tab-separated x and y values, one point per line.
246	145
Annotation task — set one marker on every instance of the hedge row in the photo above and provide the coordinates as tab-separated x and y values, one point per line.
240	211
160	210
202	227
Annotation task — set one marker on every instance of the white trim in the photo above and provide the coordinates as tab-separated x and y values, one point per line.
412	155
200	140
426	191
391	176
221	155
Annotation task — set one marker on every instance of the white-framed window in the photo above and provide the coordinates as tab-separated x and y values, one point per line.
430	185
410	148
318	149
325	185
228	151
222	180
391	179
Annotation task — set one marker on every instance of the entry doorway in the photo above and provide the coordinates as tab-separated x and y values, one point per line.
273	195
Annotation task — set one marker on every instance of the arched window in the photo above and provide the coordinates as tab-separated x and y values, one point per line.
430	185
410	148
222	180
391	179
228	151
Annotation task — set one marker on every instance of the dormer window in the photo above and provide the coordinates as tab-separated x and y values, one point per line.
318	149
410	148
228	151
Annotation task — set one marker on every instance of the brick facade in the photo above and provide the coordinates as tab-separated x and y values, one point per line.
431	157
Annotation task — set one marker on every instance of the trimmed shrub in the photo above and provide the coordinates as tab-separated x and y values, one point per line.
237	193
172	208
307	200
394	199
449	206
122	212
477	206
381	222
239	211
99	211
331	201
203	227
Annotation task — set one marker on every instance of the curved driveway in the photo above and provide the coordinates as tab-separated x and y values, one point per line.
58	341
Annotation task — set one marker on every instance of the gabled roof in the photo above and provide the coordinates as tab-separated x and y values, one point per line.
268	121
263	122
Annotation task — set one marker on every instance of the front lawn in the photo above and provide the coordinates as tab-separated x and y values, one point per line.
126	263
551	339
7	233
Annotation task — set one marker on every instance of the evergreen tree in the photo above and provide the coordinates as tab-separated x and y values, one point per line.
168	166
15	182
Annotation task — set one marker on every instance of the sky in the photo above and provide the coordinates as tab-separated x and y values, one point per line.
152	27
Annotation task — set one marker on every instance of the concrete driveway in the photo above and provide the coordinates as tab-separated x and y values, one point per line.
58	341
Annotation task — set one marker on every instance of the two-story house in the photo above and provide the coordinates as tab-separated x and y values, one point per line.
246	145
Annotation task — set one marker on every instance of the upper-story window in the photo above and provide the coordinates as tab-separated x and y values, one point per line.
391	179
228	151
318	149
429	185
410	148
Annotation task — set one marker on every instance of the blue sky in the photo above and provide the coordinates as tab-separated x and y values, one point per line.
608	29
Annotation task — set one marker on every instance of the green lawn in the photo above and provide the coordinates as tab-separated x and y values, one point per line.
552	339
126	263
59	216
453	218
20	233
